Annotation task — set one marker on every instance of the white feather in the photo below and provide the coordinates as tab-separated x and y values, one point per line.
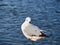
29	29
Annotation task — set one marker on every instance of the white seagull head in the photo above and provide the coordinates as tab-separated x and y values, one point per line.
28	19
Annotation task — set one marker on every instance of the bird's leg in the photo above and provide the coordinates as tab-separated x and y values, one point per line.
32	42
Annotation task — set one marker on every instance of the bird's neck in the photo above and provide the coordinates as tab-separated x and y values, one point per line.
25	24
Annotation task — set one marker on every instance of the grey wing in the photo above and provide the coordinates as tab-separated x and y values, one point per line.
32	30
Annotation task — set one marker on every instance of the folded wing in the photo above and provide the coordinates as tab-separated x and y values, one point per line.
32	30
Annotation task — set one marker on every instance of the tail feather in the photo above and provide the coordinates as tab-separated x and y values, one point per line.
43	35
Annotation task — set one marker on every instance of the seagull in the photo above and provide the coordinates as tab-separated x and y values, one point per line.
31	31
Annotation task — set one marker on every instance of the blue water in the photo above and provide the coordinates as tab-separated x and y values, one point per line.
44	13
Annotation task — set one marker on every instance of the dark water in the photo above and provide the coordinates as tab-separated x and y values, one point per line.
44	13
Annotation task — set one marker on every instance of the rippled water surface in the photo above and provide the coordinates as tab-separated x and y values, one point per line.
44	13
